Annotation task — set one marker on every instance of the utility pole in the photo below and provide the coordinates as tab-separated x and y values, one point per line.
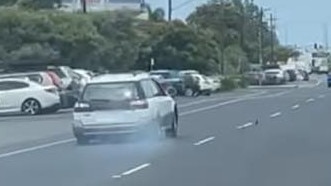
326	35
261	37
223	65
272	32
83	5
169	10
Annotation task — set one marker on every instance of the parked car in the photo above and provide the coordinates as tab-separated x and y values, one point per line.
202	81
172	77
166	86
215	83
71	85
28	97
274	76
124	104
304	74
85	75
256	77
187	72
291	74
69	79
56	80
329	79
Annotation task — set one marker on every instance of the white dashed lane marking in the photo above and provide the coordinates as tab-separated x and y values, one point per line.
131	171
206	140
294	107
245	125
275	114
310	100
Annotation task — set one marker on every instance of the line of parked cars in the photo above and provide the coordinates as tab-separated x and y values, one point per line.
38	91
177	82
275	75
48	89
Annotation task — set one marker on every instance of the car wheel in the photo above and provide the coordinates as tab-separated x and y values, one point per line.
82	140
173	131
189	92
172	91
31	107
208	93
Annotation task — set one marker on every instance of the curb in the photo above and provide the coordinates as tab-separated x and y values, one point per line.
273	86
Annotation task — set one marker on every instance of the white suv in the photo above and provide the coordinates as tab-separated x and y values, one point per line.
123	104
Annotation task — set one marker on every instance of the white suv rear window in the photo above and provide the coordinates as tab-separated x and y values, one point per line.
111	92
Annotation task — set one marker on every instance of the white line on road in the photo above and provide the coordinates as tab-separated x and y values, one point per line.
245	126
36	148
220	104
136	169
321	96
116	176
275	114
206	140
294	107
209	107
310	100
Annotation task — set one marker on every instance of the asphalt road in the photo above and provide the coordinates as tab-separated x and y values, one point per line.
267	137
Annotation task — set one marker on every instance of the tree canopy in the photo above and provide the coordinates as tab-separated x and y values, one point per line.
117	41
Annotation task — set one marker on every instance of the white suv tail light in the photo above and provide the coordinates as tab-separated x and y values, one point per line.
52	90
139	104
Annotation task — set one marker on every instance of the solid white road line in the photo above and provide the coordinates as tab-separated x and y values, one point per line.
245	126
116	176
210	107
206	140
294	107
275	114
310	100
136	169
221	104
21	151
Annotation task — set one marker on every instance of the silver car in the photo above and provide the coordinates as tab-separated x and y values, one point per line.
124	104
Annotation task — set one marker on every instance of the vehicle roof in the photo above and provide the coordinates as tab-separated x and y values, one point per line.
123	77
160	71
188	71
273	70
14	79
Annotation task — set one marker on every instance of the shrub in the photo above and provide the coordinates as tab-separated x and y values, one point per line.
228	84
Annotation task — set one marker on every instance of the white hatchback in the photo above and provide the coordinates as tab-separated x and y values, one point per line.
22	95
124	104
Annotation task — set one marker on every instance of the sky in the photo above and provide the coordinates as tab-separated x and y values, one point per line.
300	22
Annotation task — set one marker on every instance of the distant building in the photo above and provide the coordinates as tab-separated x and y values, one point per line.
102	5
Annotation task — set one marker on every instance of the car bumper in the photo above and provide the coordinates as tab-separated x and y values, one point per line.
110	129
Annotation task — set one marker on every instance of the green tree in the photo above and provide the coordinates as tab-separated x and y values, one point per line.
39	4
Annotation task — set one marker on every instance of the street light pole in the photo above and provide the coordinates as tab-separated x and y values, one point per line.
83	5
169	10
261	37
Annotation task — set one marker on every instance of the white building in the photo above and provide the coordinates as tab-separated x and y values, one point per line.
102	5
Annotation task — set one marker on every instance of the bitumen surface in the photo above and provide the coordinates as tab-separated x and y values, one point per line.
264	137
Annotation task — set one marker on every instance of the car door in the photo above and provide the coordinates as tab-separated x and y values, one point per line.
12	95
165	103
4	96
153	103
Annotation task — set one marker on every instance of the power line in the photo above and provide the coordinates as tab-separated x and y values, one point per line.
182	4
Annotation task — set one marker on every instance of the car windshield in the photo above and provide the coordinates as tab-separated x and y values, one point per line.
110	92
165	75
